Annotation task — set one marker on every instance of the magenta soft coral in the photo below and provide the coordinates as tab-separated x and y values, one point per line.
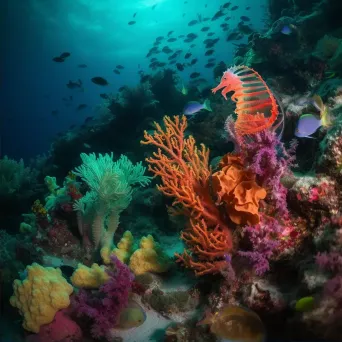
263	238
265	155
104	306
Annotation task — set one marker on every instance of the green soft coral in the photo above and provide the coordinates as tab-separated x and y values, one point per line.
111	188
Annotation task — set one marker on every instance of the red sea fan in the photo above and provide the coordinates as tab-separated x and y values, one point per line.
256	107
104	306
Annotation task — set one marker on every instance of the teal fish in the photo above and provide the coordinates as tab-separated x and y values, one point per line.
194	107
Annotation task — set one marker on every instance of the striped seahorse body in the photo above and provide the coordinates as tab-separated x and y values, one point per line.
256	107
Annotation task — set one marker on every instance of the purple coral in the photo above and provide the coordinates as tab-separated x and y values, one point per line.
265	155
263	239
104	306
331	261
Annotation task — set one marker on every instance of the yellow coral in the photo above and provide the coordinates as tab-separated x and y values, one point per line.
123	251
89	277
149	258
38	209
40	296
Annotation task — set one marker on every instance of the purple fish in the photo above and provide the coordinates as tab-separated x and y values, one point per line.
227	258
286	30
194	107
307	124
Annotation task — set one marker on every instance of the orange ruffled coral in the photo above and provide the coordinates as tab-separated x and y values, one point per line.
237	189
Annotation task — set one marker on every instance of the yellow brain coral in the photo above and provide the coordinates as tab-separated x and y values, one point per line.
89	277
40	296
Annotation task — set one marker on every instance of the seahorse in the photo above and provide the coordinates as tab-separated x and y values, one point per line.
253	99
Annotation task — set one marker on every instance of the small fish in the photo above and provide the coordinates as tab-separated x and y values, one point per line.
245	29
104	96
132	316
82	106
205	29
217	15
209	65
187	55
234	36
194	107
171	40
82	66
65	55
305	304
180	66
209	52
116	71
286	30
134	14
194	61
74	84
193	22
234	8
245	18
169	33
234	323
58	59
210	34
248	8
308	123
166	49
195	74
132	22
100	81
191	35
120	67
86	145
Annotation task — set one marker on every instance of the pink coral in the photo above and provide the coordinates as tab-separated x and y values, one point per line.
61	329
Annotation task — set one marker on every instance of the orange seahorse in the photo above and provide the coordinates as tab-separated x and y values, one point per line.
256	107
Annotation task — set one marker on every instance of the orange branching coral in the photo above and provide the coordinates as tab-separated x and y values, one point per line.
207	245
237	189
185	174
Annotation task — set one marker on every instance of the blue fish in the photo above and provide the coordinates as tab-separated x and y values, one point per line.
286	30
194	107
307	124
